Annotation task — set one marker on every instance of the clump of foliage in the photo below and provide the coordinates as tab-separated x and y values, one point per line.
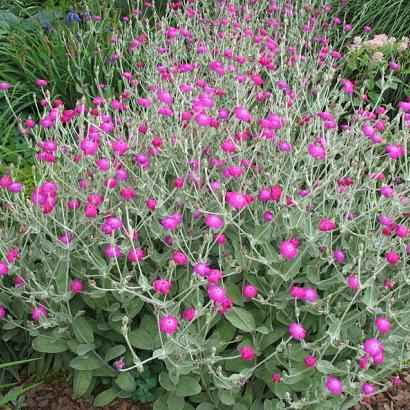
234	209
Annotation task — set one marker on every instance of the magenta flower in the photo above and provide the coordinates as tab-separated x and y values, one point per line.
217	294
214	221
4	269
135	255
247	353
180	258
168	324
310	361
249	291
241	113
382	324
392	257
189	314
326	225
334	385
2	312
76	286
373	347
297	331
38	312
162	286
288	250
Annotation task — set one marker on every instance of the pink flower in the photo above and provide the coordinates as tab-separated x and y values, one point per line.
394	151
128	194
119	364
364	362
2	312
38	312
378	358
201	269
276	378
264	195
353	282
241	113
373	347
250	291
151	204
168	324
41	83
392	257
136	255
228	146
387	191
326	225
236	200
4	269
368	389
317	151
348	86
189	314
396	381
112	251
162	286
310	361
214	221
276	193
334	385
288	250
214	276
12	255
76	286
247	353
89	146
297	331
310	295
171	222
4	86
298	292
339	255
180	258
382	324
217	294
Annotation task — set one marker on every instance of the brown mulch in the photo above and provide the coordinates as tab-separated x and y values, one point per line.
393	399
61	397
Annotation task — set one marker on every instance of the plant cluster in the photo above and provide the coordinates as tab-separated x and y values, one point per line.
238	211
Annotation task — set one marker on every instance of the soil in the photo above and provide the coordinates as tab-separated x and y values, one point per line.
393	399
61	397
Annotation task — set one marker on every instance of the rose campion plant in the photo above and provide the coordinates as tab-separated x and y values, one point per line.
225	214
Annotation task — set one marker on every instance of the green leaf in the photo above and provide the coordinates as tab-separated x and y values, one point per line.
370	297
241	319
141	339
106	397
187	386
161	403
126	382
175	403
82	381
87	362
113	352
326	367
205	406
83	349
226	397
166	382
82	330
48	344
14	394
